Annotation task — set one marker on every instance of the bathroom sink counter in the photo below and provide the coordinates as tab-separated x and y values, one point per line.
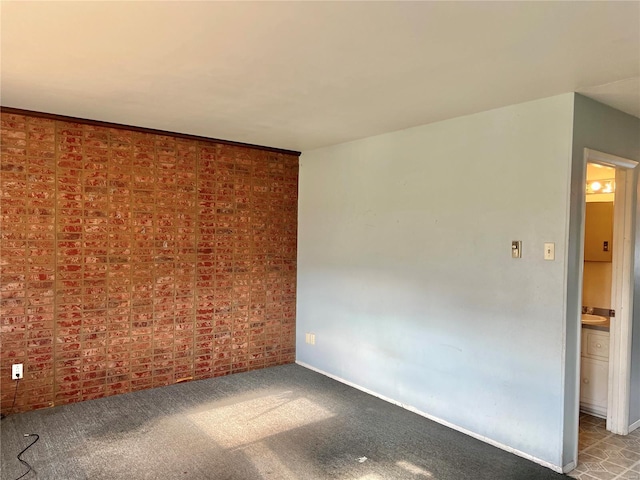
597	319
603	327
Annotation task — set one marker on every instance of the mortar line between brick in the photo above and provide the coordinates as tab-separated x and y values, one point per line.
156	191
131	238
176	259
282	235
252	255
196	253
214	216
27	284
108	245
56	300
154	276
83	251
27	269
234	243
270	276
234	259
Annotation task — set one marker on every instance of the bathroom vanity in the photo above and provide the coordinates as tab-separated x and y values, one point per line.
594	369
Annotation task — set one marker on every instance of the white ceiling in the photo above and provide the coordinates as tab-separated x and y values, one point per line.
309	74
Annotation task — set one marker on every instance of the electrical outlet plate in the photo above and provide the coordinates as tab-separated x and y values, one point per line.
16	371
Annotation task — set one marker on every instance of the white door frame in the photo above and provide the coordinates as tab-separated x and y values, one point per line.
621	289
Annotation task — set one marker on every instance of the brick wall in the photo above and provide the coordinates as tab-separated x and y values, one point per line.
132	260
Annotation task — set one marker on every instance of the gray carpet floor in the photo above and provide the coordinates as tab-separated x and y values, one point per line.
280	423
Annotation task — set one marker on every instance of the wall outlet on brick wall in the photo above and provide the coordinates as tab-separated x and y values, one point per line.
16	371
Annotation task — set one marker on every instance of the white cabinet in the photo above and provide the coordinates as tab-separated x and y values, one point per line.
597	345
594	377
594	372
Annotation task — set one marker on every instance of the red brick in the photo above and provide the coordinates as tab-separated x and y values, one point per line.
158	239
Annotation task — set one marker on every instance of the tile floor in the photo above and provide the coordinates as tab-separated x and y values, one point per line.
605	456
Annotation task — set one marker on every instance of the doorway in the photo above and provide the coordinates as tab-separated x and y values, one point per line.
608	398
619	348
597	308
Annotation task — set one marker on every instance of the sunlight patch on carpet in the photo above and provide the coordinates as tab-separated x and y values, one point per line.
249	421
412	468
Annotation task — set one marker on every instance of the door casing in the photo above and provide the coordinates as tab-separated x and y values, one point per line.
619	385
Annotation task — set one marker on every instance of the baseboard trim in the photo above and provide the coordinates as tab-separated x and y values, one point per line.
633	426
568	467
477	436
600	412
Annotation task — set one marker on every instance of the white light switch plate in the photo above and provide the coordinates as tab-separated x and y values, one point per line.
516	249
549	251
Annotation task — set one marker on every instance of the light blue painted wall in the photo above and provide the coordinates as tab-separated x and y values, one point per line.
406	278
605	129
